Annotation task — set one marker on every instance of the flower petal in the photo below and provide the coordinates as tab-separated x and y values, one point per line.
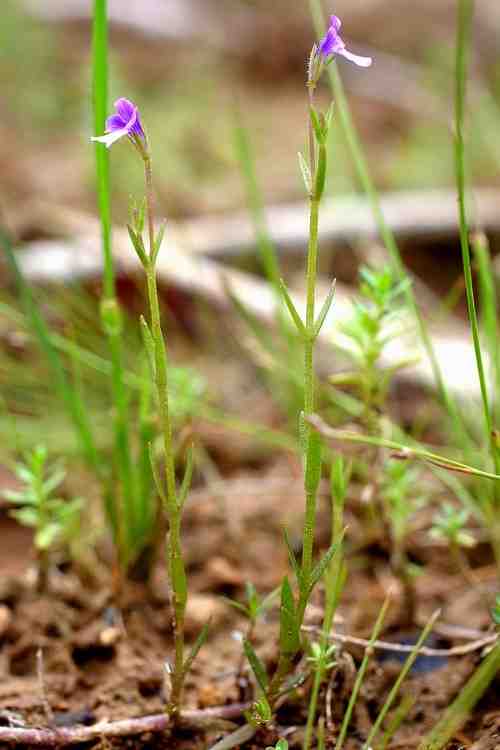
126	109
129	114
328	45
115	122
363	62
335	22
110	138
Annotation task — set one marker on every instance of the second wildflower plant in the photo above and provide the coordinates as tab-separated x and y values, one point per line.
307	574
126	123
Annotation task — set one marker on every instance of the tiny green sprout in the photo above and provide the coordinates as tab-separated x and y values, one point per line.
322	656
495	612
254	607
449	525
280	745
260	712
52	518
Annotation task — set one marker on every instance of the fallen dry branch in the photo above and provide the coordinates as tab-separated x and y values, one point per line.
467	648
195	719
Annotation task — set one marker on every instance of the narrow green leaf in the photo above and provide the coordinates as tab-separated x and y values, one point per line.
139	216
159	241
320	569
237	605
138	245
47	535
13	496
24	473
306	173
156	476
289	628
269	599
319	187
54	481
257	666
317	126
25	516
197	646
292	309
329	118
325	310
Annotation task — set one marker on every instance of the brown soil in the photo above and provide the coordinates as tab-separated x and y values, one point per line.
104	662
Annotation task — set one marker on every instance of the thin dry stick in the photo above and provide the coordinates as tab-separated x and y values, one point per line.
50	738
406	649
40	673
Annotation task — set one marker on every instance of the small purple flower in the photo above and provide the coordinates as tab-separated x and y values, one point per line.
126	122
332	44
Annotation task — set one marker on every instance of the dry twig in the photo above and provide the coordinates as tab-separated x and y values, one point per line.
467	648
50	738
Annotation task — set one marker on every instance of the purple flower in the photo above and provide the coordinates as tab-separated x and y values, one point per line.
126	122
332	44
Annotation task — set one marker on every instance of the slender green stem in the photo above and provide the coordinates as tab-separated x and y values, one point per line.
397	685
464	24
489	305
43	521
388	238
100	107
255	202
110	309
312	259
313	702
361	674
334	583
175	560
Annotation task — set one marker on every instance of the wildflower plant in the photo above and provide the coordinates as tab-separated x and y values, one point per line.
126	123
307	574
37	506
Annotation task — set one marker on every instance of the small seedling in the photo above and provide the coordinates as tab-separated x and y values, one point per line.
52	518
280	745
377	319
449	525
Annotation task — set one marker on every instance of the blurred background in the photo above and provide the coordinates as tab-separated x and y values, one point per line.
191	64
